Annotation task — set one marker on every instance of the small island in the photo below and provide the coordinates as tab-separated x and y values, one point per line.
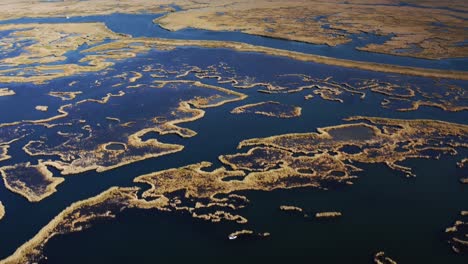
6	92
381	258
65	96
42	108
2	211
291	208
328	214
457	234
239	233
270	108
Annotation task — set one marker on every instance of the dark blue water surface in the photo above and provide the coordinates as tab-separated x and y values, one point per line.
142	25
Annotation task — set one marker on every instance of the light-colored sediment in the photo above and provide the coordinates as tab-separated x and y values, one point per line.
9	137
217	216
113	119
136	76
457	234
381	258
243	232
42	108
62	113
2	211
328	214
4	152
65	96
291	208
463	163
6	92
270	108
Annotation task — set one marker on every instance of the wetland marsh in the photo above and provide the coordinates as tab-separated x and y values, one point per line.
121	141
